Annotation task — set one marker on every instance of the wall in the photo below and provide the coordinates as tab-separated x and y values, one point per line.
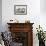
43	6
34	14
43	14
33	11
0	15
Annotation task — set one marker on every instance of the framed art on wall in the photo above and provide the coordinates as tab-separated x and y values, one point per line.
20	9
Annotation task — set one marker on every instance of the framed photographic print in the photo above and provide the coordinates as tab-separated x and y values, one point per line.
20	9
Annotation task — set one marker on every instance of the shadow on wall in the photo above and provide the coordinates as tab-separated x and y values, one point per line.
0	15
43	6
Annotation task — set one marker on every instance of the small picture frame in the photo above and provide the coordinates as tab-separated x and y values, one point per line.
20	9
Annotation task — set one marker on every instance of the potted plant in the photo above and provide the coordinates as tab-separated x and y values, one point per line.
41	36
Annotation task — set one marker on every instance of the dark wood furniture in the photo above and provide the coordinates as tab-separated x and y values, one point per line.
22	33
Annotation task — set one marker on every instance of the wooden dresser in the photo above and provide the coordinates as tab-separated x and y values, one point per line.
22	33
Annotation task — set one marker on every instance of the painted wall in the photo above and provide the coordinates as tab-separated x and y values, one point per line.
33	14
43	6
0	15
43	14
33	11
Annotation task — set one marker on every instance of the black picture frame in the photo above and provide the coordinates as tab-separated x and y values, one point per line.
20	9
